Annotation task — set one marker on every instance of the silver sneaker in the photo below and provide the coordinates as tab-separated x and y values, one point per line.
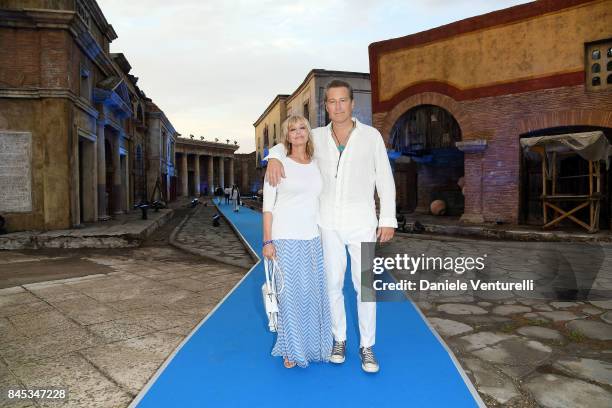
338	352
368	361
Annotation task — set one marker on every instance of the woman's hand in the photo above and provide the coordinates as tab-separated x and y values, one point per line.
269	251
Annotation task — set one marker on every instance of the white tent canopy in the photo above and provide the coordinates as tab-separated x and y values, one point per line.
588	145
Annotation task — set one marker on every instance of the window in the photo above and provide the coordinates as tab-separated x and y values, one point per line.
598	56
274	136
307	111
266	138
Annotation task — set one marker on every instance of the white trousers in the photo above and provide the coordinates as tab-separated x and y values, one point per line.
334	253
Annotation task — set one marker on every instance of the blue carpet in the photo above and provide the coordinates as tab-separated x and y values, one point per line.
226	362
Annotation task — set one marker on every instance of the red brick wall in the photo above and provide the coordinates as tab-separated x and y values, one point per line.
492	178
54	58
19	58
34	58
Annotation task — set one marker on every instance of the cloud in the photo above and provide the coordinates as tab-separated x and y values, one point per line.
214	66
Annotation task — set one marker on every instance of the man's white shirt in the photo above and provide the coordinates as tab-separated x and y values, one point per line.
349	180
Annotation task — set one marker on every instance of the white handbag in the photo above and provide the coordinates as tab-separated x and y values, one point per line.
268	291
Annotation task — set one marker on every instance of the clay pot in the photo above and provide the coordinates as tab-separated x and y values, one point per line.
438	207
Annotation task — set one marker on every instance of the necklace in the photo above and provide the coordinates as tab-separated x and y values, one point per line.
340	146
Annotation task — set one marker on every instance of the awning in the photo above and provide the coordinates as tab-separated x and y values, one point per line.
588	145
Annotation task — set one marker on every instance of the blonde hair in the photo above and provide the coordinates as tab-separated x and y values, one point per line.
292	120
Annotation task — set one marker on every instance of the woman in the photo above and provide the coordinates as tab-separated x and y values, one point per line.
235	196
291	235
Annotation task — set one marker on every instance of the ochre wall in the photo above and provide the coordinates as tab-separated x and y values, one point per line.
536	47
276	115
47	120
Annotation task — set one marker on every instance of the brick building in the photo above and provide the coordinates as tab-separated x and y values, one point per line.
309	100
248	175
455	100
74	125
161	172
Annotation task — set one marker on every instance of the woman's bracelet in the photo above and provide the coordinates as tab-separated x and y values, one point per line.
267	242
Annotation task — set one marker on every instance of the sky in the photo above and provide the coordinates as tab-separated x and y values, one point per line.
214	66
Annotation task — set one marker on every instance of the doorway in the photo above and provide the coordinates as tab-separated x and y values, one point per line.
430	165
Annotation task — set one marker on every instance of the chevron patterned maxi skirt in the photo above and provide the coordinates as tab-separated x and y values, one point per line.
304	323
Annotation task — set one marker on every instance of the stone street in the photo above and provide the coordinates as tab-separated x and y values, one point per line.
550	347
99	323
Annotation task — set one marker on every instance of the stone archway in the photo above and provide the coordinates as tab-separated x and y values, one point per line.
575	117
427	98
430	165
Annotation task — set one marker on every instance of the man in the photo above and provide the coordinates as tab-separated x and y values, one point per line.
353	161
227	191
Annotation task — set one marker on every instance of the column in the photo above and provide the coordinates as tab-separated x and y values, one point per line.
196	175
221	172
101	153
117	175
231	171
474	151
184	176
210	176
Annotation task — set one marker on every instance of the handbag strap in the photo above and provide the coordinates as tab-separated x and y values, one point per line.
272	269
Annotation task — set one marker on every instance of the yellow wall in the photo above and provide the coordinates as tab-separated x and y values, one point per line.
275	116
48	121
532	48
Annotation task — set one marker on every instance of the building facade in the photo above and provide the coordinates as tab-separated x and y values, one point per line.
268	126
204	166
456	100
73	122
309	100
161	173
248	175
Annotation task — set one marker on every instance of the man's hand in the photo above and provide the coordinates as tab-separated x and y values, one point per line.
275	172
384	234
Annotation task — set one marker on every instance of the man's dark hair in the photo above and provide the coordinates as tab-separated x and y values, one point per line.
337	83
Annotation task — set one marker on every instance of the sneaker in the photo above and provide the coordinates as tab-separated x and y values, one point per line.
337	355
368	361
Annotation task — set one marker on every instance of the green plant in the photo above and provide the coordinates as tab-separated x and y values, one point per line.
576	336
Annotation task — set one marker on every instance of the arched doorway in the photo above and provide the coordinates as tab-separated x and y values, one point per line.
571	180
430	165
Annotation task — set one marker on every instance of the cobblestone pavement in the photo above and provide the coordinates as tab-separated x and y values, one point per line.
102	336
198	236
550	347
